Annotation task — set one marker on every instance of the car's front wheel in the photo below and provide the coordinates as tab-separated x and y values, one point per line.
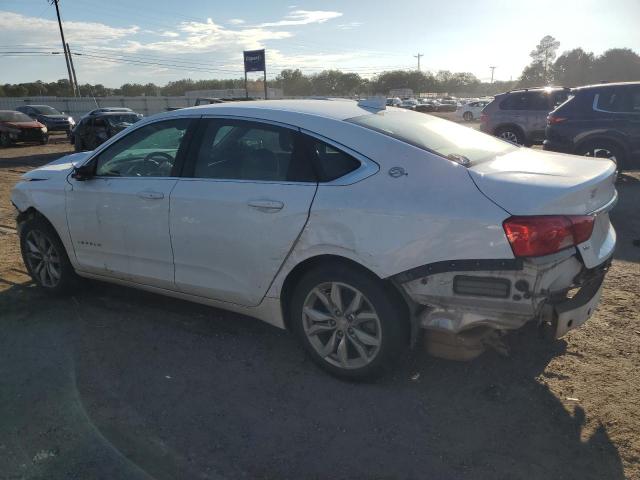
45	257
468	116
348	322
5	140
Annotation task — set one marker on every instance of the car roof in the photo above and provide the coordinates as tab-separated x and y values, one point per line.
337	109
606	84
113	114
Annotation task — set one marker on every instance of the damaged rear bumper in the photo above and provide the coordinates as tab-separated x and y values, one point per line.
455	297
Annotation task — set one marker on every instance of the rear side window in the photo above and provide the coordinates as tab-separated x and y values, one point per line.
610	100
634	98
331	163
515	101
243	150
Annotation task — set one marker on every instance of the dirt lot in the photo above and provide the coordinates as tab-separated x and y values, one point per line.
118	384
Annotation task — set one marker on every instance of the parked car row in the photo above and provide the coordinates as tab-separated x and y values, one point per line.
34	123
600	120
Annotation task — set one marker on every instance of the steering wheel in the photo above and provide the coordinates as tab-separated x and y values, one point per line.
150	158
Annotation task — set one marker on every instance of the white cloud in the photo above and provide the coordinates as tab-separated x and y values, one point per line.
303	17
236	21
39	30
169	33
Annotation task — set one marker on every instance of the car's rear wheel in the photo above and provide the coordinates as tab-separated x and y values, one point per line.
468	116
45	257
510	134
44	140
604	149
348	322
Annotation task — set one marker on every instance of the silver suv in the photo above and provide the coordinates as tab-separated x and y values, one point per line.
520	116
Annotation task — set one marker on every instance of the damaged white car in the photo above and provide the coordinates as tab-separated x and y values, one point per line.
351	224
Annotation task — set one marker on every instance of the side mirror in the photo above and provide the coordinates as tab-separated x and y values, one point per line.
83	172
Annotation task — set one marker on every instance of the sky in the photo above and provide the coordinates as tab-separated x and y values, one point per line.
141	41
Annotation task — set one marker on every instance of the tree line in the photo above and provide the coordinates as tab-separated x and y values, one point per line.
571	68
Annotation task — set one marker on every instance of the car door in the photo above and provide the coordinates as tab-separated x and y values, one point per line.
631	110
236	213
119	218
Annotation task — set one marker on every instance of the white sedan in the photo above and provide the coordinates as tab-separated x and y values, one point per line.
351	225
472	110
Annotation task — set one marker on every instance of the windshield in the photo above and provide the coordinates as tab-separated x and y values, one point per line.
435	135
126	118
9	116
46	110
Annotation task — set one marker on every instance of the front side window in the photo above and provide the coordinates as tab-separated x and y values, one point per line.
515	101
149	151
444	138
243	150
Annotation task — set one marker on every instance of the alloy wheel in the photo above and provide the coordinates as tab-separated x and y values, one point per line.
601	152
43	259
509	136
341	325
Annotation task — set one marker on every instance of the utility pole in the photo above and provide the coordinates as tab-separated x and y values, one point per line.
418	56
492	69
73	71
64	45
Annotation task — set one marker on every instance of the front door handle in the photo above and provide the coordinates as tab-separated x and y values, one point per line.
149	195
266	205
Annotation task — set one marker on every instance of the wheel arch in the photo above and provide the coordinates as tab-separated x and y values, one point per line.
296	273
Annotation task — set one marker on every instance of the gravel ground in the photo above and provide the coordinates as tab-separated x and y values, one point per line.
118	384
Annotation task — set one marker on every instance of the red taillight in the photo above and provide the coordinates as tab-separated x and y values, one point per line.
543	235
554	120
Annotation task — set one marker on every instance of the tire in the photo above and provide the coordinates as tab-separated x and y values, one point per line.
78	144
52	271
605	149
468	116
44	140
5	140
510	134
359	341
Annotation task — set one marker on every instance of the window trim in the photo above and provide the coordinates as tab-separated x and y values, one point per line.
180	157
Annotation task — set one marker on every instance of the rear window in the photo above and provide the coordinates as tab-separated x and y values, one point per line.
442	137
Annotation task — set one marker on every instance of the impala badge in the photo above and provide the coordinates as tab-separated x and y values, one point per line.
397	172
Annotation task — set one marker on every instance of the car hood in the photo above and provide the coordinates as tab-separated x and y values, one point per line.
53	117
59	167
529	182
32	124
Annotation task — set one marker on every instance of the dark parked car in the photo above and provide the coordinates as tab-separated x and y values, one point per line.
445	105
94	130
54	120
520	116
427	106
110	109
19	127
599	121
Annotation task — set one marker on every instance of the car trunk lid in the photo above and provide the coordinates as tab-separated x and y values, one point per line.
527	182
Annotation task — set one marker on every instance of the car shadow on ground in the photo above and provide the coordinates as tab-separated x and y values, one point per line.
117	383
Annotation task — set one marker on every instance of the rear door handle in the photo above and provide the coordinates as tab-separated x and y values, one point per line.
149	195
266	205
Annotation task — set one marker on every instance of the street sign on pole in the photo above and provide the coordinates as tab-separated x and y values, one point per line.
254	61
